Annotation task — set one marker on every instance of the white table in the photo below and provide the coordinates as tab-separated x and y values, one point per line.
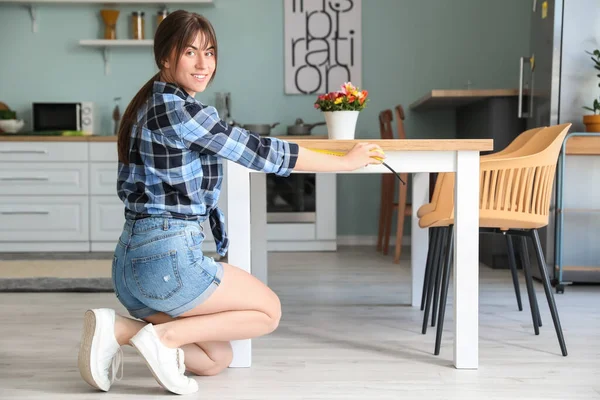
247	219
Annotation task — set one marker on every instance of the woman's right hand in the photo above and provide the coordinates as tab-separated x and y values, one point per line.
363	154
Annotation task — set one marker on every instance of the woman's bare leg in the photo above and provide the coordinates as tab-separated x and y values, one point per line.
241	308
206	358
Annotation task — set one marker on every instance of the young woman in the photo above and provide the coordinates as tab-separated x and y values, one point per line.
170	173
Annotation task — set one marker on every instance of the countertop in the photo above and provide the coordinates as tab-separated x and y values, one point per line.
454	98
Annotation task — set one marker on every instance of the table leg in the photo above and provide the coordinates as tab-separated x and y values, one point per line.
466	261
258	226
238	229
419	237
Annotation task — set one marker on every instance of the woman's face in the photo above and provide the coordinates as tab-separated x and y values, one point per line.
195	68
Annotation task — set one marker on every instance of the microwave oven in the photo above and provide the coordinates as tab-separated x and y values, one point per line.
63	117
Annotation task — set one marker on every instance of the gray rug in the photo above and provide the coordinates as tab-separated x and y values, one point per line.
56	256
51	284
56	285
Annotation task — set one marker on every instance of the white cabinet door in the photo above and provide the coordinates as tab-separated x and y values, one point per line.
106	218
44	179
43	151
103	179
44	219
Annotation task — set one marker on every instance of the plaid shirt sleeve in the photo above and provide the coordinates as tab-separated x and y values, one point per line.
203	131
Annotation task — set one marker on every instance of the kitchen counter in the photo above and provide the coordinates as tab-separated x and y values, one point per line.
456	98
583	146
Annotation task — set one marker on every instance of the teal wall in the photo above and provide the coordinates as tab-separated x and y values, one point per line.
409	48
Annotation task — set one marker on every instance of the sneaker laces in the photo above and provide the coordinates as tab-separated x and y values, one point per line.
117	365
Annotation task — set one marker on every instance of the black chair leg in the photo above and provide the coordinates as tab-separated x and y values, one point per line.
529	282
549	296
434	232
444	295
513	270
431	281
438	277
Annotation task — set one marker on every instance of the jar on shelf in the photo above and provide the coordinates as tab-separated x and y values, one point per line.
160	16
137	25
110	23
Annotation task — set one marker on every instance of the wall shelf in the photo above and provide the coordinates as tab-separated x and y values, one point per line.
31	4
106	44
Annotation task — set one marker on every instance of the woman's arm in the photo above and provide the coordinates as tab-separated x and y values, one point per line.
361	155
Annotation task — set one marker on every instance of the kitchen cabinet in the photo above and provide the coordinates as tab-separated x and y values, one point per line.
44	202
59	194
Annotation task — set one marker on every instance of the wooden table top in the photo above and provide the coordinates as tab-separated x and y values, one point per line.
315	142
402	144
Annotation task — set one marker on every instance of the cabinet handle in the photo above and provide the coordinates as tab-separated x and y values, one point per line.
24	212
520	113
33	178
24	151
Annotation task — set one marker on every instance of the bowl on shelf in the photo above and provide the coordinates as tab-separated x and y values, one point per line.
11	125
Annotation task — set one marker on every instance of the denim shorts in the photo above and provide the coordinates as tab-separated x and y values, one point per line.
159	266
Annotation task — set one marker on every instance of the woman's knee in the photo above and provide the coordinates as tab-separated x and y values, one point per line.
274	313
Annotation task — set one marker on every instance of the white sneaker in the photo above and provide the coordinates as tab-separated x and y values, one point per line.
166	364
99	351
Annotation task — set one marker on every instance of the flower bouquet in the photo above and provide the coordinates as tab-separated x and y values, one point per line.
341	110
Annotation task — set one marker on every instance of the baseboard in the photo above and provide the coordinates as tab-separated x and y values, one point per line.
365	240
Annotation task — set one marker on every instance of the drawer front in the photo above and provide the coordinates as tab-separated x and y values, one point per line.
44	178
106	218
43	151
104	152
103	179
55	219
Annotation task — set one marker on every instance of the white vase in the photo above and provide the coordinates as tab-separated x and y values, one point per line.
341	125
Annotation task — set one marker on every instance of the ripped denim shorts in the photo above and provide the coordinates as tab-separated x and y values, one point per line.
159	266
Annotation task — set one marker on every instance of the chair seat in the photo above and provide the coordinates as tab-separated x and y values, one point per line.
425	209
437	219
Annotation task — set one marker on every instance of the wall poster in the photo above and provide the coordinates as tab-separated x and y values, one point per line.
322	45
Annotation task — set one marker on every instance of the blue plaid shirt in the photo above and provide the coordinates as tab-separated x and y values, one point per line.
175	156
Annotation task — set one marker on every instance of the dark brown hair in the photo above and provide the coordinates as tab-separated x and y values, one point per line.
172	37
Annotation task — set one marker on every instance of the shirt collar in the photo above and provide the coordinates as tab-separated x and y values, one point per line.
170	88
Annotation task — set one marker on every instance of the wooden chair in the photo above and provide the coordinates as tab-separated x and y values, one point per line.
515	195
438	234
388	189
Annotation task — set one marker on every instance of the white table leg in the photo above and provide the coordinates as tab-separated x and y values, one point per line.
238	229
419	238
258	225
466	261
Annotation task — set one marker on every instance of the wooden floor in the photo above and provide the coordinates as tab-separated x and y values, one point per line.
346	333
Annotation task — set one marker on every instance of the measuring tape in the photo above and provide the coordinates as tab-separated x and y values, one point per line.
341	153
